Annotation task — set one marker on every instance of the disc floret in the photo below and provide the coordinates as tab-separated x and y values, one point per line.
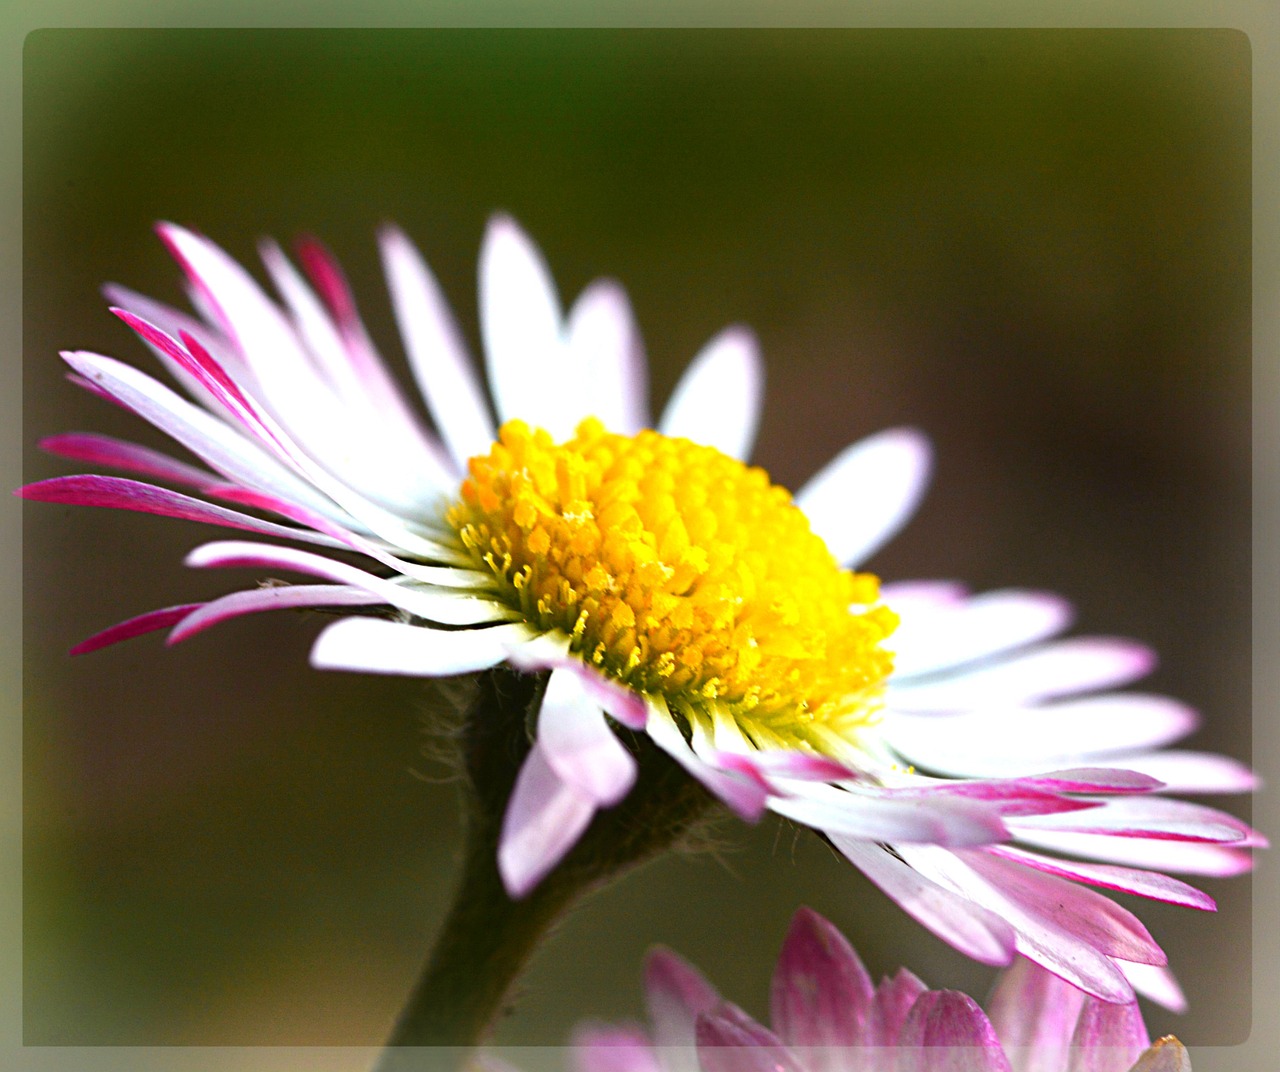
679	571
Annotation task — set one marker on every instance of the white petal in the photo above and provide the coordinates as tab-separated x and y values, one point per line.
605	346
1034	739
520	324
867	492
1193	772
376	646
445	606
1080	664
717	401
936	819
544	819
436	351
1156	982
578	743
976	628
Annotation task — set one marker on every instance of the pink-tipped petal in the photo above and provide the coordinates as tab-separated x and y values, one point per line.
1121	879
860	500
1080	664
947	1032
256	600
804	766
544	819
121	493
1161	818
1108	1038
821	994
220	445
604	345
620	702
1071	931
131	457
957	920
437	355
374	646
1158	854
132	627
718	399
579	745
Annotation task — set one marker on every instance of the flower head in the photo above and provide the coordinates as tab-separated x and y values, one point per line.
982	773
828	1016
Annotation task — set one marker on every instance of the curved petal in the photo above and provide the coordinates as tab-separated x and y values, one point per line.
1122	879
1194	772
121	493
277	597
718	399
131	457
544	819
863	496
578	744
376	646
137	626
935	819
975	931
437	354
744	795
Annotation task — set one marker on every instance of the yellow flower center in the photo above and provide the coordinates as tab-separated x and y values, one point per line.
680	571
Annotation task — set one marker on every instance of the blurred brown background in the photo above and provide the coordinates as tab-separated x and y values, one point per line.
1035	245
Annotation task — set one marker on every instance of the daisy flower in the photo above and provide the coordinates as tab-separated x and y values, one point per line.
982	773
828	1016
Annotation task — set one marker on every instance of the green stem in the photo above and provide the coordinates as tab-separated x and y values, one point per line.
487	939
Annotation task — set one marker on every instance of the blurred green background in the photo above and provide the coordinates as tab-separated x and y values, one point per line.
1035	245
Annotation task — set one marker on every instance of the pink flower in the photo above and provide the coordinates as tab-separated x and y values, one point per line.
828	1016
987	776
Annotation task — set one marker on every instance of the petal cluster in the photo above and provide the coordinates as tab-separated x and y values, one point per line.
827	1015
1006	776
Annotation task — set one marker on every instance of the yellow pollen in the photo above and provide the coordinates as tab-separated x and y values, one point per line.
681	572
